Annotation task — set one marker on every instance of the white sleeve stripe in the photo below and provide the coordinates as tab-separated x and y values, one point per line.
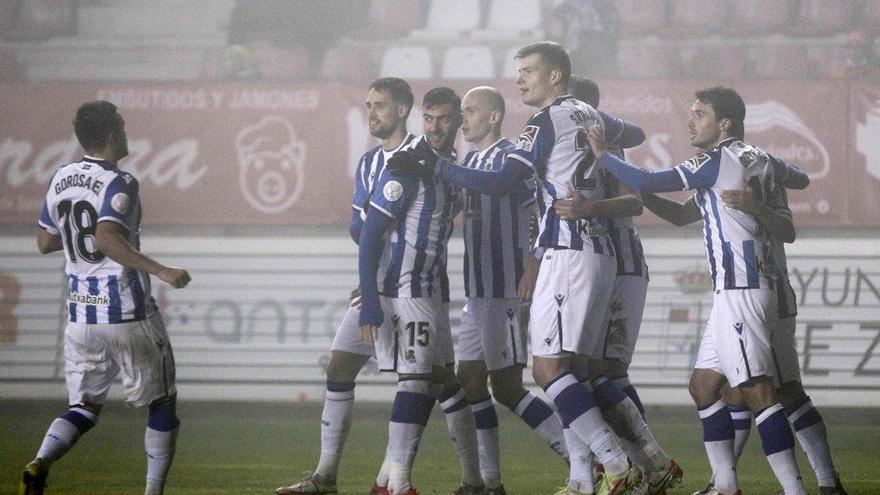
356	207
528	202
522	159
683	179
50	229
114	220
383	210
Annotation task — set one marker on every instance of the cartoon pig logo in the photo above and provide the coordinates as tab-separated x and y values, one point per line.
271	161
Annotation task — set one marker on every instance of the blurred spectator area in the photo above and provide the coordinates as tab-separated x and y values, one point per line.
358	40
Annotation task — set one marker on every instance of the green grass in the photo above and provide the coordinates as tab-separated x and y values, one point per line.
251	448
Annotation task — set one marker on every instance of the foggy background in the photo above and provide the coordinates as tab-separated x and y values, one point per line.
264	233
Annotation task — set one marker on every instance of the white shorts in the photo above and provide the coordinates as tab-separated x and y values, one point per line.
570	300
736	342
785	354
415	336
491	332
138	350
348	336
624	319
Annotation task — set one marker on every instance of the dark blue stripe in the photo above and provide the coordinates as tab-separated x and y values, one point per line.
424	227
333	386
809	418
573	402
71	307
392	276
91	309
776	435
477	242
727	262
536	412
163	416
631	392
411	408
751	264
718	427
635	250
518	262
137	294
793	408
608	395
486	419
497	237
114	312
707	229
615	240
82	423
714	200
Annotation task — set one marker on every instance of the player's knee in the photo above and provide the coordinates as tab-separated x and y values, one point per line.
163	414
344	366
615	368
758	393
83	416
507	387
790	392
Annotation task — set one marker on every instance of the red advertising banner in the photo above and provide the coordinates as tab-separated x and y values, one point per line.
260	154
863	182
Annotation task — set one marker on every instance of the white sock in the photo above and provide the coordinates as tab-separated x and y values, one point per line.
778	443
335	425
580	468
382	476
159	446
542	420
578	410
809	428
742	427
463	432
486	420
409	415
718	440
63	433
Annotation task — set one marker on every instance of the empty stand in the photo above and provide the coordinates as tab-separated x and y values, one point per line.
641	17
412	62
449	19
392	18
757	17
697	17
468	62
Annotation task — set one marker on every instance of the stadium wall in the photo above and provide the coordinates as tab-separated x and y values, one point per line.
282	154
258	319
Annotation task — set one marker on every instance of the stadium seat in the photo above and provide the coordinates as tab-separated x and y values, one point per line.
277	64
697	17
646	59
783	59
449	18
508	64
468	62
412	62
700	60
641	17
514	15
821	17
391	18
347	63
39	20
756	17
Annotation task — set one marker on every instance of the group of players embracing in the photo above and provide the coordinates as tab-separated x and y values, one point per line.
547	219
581	266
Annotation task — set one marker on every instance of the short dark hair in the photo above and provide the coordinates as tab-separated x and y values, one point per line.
400	91
94	122
441	96
727	104
552	55
584	89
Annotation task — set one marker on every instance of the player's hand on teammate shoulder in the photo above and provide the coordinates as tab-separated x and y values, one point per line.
175	277
740	200
413	163
596	137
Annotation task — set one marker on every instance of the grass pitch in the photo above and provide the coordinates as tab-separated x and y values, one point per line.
252	448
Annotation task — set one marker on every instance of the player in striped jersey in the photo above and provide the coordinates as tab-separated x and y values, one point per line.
736	345
405	309
92	212
388	106
770	208
577	273
492	343
607	368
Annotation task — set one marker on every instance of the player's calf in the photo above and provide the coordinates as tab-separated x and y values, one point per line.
160	440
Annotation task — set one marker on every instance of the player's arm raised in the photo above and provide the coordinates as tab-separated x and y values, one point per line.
110	240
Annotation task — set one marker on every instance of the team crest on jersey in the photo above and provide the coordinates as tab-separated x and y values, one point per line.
393	190
696	162
410	356
120	203
527	138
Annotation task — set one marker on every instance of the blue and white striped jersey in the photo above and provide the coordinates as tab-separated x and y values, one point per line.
496	230
554	144
369	168
413	261
627	244
738	251
81	195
